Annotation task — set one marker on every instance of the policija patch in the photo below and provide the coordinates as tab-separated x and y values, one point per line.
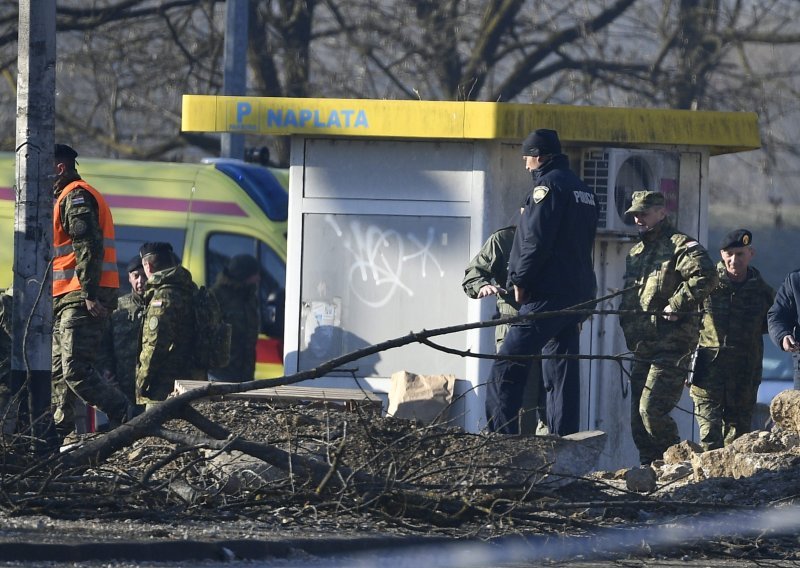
540	192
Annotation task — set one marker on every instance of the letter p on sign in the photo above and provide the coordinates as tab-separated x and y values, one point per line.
242	110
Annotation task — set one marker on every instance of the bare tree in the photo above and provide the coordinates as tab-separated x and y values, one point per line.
123	64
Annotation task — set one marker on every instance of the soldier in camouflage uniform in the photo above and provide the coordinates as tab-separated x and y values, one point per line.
727	368
671	274
236	290
6	298
122	342
486	276
167	339
85	283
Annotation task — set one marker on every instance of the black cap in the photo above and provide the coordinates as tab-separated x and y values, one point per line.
242	266
736	239
64	152
160	249
134	264
542	142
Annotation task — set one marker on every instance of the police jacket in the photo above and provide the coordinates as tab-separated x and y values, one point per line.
784	315
552	252
665	268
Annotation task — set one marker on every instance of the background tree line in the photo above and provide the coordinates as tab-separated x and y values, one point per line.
123	65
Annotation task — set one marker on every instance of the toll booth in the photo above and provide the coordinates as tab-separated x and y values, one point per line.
389	201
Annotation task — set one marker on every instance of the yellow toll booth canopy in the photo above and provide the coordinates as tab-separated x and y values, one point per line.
721	132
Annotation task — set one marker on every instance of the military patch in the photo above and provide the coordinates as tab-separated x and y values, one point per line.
540	192
79	227
692	244
156	303
78	200
152	323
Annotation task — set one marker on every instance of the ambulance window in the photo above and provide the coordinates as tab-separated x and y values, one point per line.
219	250
129	238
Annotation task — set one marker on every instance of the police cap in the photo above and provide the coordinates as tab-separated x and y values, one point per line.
736	239
644	200
542	142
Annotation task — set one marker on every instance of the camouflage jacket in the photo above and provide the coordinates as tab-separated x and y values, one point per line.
736	315
666	268
123	342
490	266
239	305
734	319
82	221
167	339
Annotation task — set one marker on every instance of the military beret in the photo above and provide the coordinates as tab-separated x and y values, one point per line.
644	200
541	142
134	264
160	249
242	266
64	152
736	239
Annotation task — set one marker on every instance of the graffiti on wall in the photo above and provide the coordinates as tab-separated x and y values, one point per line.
385	262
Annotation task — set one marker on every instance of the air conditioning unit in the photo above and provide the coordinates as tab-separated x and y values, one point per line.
615	173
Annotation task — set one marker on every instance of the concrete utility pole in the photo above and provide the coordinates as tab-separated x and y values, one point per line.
33	218
234	81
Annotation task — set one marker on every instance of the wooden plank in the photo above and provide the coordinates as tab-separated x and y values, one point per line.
292	392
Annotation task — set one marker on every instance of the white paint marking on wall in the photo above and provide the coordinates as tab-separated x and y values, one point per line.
379	257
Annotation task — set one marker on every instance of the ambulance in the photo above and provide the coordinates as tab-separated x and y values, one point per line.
209	212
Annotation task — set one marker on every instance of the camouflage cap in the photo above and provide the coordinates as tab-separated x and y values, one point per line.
736	239
644	200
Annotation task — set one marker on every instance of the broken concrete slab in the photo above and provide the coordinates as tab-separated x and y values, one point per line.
785	410
640	479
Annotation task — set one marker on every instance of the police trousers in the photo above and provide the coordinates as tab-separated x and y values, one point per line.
552	336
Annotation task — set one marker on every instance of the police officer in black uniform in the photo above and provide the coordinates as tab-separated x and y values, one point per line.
550	269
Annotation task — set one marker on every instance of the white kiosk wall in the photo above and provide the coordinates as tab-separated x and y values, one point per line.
384	236
384	229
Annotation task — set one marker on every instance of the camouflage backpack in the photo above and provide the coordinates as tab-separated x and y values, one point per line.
212	344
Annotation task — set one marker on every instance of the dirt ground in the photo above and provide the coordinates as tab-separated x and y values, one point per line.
398	492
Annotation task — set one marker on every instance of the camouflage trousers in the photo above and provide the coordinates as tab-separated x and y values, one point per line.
724	393
77	337
657	381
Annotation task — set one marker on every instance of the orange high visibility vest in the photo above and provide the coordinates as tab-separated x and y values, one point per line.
64	260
